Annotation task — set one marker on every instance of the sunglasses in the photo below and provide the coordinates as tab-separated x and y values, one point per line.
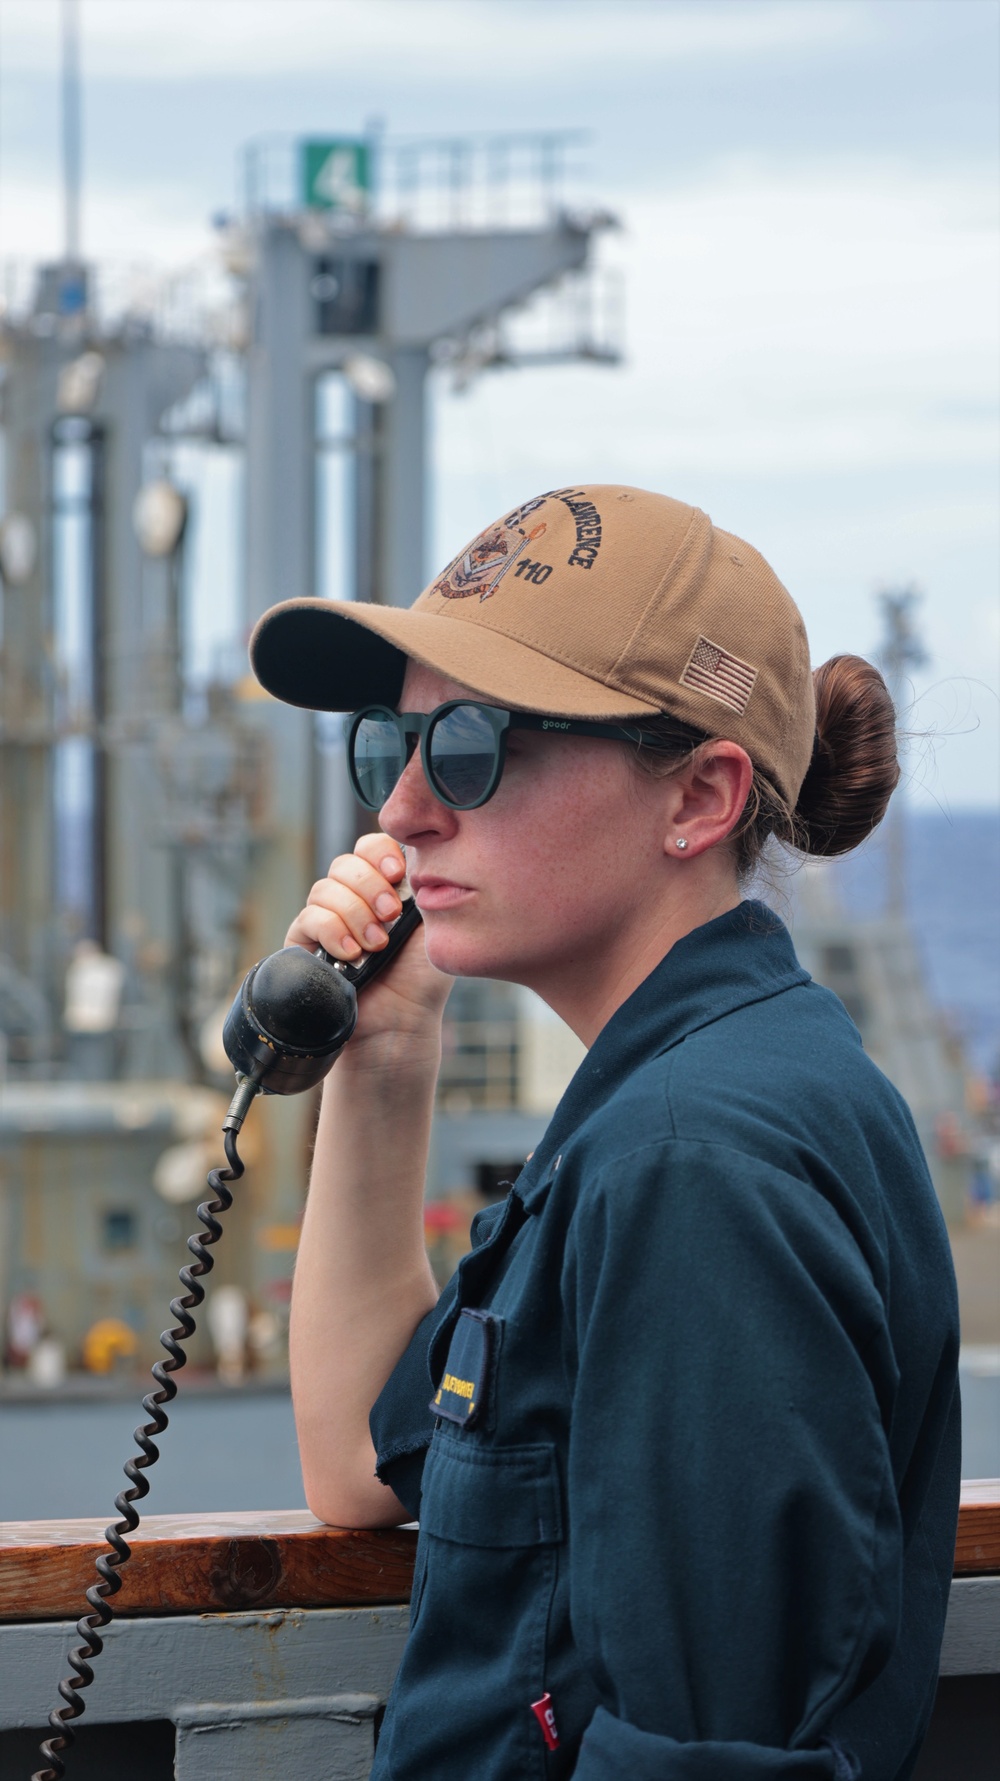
462	748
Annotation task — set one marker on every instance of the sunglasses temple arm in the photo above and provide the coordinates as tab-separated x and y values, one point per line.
574	726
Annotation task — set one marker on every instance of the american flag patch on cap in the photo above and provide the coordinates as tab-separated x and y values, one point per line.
722	676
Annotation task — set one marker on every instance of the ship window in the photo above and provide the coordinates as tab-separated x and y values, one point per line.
118	1230
346	295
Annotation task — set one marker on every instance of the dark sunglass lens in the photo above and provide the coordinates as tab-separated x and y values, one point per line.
462	750
378	758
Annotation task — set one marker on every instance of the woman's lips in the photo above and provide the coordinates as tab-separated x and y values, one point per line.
438	893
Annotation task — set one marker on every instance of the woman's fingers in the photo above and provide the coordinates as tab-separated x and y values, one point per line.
348	913
348	910
339	920
353	913
317	926
367	881
384	854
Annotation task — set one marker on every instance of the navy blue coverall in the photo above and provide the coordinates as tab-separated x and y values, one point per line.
688	1489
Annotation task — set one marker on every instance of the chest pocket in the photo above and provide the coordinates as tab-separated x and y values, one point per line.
492	1496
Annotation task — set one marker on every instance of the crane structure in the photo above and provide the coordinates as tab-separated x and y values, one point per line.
158	836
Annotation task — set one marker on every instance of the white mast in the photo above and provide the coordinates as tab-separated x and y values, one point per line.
901	650
70	33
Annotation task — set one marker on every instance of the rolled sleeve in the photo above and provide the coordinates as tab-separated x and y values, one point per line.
400	1421
611	1749
728	1469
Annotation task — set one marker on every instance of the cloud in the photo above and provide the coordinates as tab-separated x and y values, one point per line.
196	39
811	356
148	220
825	320
810	337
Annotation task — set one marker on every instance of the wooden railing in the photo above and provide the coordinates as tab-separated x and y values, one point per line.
977	1548
205	1564
280	1637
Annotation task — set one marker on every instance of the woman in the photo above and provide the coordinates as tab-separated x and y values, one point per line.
682	1433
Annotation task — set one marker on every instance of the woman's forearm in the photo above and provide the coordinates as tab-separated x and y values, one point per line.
362	1278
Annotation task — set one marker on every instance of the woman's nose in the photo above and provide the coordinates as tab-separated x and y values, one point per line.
411	808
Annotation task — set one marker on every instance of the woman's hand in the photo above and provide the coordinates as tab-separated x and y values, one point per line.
347	914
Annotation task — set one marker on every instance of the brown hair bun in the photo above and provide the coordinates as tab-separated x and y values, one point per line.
854	771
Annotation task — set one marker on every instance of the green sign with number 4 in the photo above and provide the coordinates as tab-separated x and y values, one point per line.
336	175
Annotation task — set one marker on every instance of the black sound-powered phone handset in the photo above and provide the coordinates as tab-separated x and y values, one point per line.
289	1022
296	1011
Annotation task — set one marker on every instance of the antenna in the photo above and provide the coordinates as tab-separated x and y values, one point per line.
71	127
900	650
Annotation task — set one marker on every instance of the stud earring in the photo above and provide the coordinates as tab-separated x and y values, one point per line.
681	843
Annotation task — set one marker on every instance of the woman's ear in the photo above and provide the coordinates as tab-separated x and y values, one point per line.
710	796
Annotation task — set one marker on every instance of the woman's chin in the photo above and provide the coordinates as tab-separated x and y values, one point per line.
463	954
456	958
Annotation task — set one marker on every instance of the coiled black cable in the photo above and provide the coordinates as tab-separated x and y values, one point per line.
109	1567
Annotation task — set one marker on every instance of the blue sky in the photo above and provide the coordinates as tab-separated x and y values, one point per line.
810	257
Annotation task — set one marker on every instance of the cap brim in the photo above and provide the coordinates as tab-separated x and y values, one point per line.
327	655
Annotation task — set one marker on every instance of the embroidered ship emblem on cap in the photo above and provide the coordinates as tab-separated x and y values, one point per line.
712	670
481	568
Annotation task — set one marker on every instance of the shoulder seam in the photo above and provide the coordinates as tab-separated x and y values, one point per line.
748	1156
713	1016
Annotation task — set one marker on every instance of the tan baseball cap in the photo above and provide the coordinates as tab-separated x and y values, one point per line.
592	602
